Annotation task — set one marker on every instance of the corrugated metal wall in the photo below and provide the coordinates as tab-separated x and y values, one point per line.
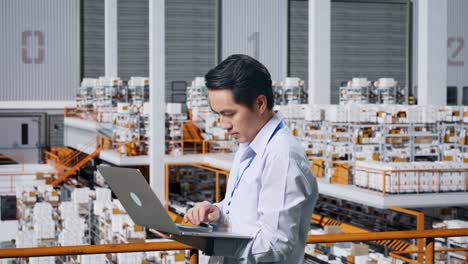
259	29
133	38
298	39
92	38
367	40
39	49
190	40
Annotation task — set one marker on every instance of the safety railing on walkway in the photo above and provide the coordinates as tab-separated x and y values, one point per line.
428	235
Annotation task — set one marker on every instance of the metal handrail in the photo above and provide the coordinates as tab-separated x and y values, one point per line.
419	225
160	246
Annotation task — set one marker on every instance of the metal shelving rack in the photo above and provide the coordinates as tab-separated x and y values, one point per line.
425	142
449	141
357	95
313	139
174	133
396	143
339	139
366	138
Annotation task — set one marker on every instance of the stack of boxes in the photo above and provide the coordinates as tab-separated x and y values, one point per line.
389	92
362	91
43	224
289	91
293	90
411	177
107	93
357	91
344	252
84	98
126	132
89	217
389	133
120	107
174	129
73	226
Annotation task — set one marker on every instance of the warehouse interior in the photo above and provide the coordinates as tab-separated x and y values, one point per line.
376	91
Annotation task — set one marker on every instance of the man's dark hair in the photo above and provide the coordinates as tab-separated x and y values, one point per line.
245	77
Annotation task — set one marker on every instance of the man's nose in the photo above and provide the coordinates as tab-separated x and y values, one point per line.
225	124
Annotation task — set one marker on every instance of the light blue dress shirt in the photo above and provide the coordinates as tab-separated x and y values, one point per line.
274	199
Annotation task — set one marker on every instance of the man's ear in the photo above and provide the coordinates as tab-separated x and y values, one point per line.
261	103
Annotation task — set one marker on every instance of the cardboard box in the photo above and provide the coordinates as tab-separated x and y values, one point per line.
359	249
331	230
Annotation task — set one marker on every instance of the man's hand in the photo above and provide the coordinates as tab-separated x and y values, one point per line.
202	212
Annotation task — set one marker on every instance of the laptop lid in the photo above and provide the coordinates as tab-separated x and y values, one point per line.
137	197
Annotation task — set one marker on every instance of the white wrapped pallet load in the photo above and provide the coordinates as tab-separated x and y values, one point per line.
51	196
70	238
26	194
434	176
103	195
92	259
314	113
100	207
68	210
44	188
451	224
130	258
80	195
136	232
44	227
75	224
294	111
117	222
26	239
170	258
428	114
119	206
42	210
42	260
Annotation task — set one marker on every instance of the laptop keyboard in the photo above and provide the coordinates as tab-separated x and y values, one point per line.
206	228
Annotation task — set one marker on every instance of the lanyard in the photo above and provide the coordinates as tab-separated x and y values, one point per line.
239	176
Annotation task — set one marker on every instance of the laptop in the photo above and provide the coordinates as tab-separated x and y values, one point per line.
145	209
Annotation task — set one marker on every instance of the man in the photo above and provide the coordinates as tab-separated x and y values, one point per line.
271	191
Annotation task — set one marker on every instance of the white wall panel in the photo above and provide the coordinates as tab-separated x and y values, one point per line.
259	29
39	50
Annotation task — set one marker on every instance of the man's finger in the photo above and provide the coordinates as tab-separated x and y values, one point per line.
186	216
213	216
202	213
161	234
196	216
189	215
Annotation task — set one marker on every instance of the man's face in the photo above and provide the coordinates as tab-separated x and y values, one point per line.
241	122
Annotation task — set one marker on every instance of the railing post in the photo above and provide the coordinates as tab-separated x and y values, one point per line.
429	250
420	242
419	227
193	256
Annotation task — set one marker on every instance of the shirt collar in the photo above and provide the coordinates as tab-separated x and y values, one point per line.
260	141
